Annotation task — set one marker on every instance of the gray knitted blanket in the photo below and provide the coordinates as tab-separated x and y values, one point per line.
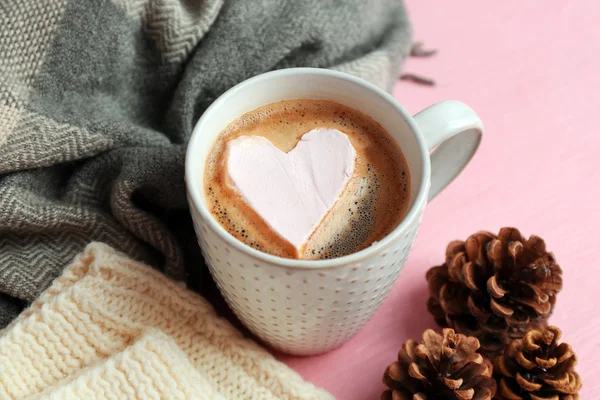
98	99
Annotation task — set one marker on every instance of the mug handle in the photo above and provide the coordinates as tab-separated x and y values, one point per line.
455	129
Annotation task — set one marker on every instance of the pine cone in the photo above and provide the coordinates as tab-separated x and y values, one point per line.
495	288
444	367
537	368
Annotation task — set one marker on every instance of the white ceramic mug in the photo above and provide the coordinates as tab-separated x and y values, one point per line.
307	307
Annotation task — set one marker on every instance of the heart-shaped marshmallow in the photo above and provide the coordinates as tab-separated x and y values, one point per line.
291	192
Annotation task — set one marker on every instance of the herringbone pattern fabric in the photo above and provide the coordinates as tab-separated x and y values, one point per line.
99	98
174	29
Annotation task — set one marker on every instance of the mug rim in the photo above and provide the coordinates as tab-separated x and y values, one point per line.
195	192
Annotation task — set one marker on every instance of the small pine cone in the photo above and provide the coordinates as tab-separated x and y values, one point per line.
536	367
443	367
495	288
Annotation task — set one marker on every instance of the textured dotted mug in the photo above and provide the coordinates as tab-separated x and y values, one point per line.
307	307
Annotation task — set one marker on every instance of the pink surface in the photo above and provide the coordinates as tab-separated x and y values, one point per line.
532	72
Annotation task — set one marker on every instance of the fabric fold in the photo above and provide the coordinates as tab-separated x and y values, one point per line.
151	368
109	323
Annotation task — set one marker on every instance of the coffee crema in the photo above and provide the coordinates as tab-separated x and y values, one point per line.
372	204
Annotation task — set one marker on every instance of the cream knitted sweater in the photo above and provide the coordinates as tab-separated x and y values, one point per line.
112	328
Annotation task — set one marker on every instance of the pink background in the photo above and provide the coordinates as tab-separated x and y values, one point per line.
531	69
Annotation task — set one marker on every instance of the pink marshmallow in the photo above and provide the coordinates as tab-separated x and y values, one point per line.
291	192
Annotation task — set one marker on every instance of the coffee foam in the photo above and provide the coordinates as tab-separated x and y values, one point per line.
374	201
